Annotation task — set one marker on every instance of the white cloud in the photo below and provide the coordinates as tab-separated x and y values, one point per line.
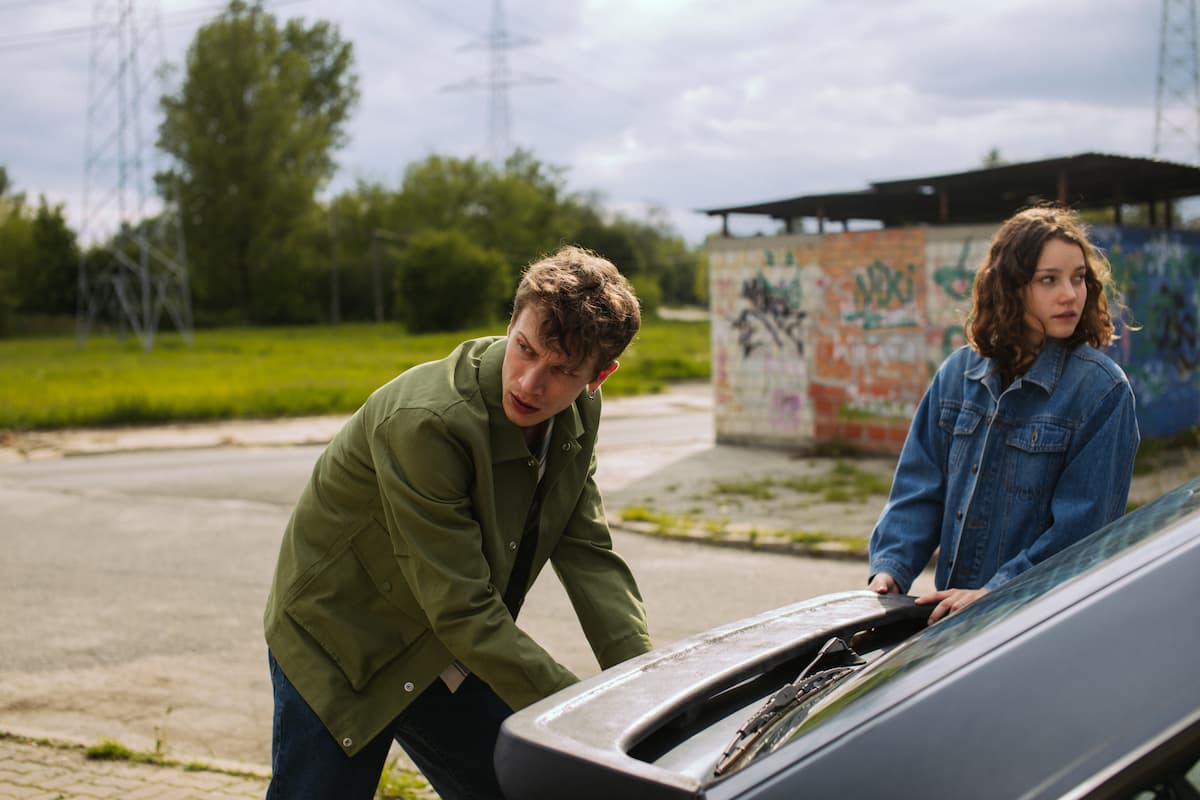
682	104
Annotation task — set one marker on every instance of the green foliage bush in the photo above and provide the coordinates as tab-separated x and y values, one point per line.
445	282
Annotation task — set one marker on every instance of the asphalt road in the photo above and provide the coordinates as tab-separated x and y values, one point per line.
132	584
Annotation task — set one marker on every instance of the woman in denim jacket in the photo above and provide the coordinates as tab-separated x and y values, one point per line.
1024	441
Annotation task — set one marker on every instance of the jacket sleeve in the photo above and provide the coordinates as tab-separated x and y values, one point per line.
1094	485
599	583
425	475
909	526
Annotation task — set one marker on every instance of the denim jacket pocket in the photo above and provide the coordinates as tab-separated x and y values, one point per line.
960	422
1036	452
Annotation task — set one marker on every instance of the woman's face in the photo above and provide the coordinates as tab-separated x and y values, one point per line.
1054	299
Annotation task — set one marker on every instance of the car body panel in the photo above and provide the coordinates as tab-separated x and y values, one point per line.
1040	689
584	736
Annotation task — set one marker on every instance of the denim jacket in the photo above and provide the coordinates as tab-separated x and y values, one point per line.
1001	480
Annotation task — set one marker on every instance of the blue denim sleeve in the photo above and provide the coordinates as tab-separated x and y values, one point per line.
910	525
1093	487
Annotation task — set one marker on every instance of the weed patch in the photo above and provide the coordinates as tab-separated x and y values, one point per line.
399	783
110	750
758	490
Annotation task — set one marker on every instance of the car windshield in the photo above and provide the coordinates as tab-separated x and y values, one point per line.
841	697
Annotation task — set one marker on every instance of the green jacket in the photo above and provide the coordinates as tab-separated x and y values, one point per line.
398	553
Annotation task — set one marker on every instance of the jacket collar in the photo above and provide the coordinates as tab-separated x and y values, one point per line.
507	441
1045	371
1048	367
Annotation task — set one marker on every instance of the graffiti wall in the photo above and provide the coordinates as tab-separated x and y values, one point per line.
762	340
1159	273
833	338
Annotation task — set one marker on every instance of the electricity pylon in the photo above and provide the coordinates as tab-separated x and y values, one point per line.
138	269
1177	110
499	41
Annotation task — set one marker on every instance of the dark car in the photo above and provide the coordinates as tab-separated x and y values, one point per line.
1080	678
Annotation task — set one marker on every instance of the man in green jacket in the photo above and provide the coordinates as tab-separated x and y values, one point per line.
393	609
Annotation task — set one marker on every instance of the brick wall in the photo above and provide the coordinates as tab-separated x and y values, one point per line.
833	338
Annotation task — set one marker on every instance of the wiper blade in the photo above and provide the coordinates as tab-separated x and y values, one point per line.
835	660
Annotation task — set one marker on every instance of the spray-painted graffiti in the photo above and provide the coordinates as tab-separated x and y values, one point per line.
789	258
957	281
785	410
856	354
1159	275
880	353
774	314
1174	333
877	290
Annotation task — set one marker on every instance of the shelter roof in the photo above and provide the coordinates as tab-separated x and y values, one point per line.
1084	181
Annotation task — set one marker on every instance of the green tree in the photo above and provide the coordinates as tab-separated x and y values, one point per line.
48	280
16	247
446	282
521	212
252	132
361	246
992	158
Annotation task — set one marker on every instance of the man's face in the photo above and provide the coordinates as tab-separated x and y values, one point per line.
539	382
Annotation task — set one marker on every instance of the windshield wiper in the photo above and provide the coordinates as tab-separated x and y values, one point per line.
834	660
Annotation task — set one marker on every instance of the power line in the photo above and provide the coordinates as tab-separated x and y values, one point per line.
56	36
25	4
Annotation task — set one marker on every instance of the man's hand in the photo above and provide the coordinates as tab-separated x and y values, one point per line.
883	583
949	601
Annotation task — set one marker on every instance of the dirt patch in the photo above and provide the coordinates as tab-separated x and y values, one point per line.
770	500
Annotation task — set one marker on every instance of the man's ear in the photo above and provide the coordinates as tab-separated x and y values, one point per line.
604	373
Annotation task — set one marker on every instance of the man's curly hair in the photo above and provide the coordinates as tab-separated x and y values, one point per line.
590	308
996	323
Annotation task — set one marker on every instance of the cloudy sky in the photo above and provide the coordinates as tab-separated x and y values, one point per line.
672	103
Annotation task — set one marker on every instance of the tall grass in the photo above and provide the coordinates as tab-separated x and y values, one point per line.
267	372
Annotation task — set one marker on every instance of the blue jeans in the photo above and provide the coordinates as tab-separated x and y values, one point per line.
450	737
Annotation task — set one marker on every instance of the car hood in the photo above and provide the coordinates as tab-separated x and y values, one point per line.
664	718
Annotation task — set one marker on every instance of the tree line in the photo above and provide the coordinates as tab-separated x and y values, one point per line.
251	134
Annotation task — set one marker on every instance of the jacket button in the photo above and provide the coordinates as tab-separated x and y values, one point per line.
974	468
958	515
512	545
408	687
566	447
347	742
533	462
386	586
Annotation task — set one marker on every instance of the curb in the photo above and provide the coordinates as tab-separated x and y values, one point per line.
760	544
183	763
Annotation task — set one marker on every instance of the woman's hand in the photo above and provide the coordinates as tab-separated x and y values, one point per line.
882	583
949	601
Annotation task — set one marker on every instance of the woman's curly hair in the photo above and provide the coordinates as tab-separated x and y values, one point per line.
996	323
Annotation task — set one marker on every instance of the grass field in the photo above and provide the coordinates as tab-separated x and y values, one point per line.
268	372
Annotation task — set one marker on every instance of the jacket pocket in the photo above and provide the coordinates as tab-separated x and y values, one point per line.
347	611
960	422
1036	453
